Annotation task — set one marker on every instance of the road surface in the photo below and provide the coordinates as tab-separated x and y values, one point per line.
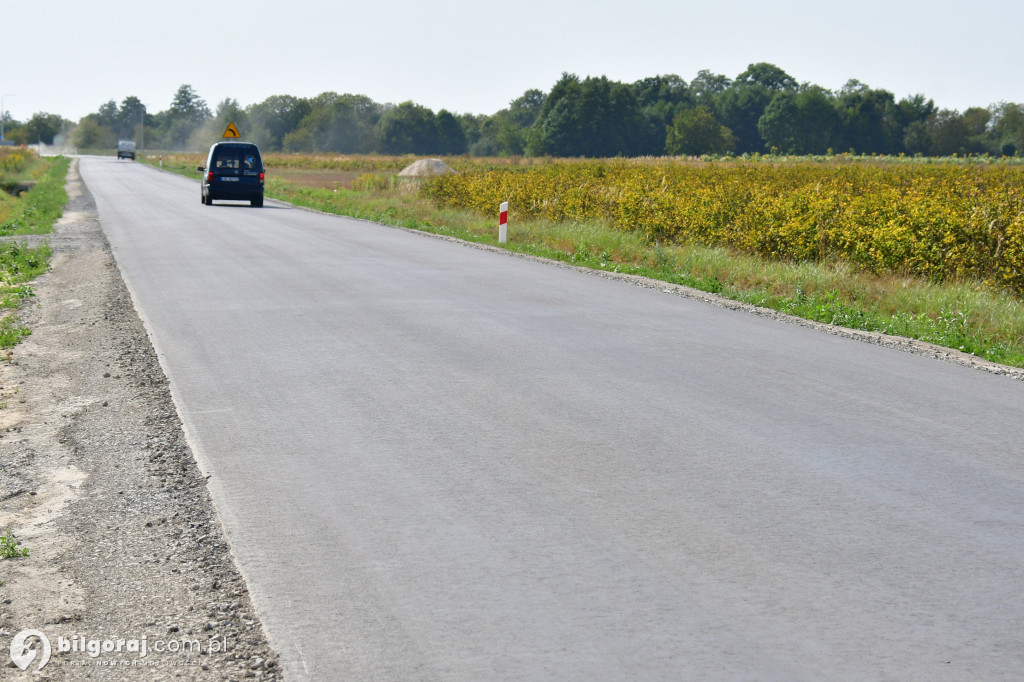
440	462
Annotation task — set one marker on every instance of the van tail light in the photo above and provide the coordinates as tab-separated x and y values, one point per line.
261	176
209	176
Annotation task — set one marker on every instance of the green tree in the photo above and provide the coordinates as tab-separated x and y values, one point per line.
870	119
353	119
913	113
275	117
740	108
352	124
977	119
613	123
89	134
504	133
742	104
42	127
299	140
668	88
706	87
471	127
408	129
594	118
801	121
768	76
186	114
660	99
524	110
451	138
498	135
9	123
949	134
109	116
558	128
131	118
338	123
916	108
917	138
187	105
230	111
1008	128
695	132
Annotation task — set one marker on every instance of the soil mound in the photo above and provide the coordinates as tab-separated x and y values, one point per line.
425	168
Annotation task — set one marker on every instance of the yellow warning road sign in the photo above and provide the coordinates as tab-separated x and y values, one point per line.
231	131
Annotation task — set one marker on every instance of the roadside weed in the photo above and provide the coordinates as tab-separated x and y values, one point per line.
10	547
12	331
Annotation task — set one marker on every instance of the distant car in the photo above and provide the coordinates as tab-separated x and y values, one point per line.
126	149
233	170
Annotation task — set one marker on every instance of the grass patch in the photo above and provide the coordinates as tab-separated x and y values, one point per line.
19	264
41	207
961	315
22	263
33	212
12	331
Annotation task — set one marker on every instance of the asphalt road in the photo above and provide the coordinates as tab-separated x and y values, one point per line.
439	462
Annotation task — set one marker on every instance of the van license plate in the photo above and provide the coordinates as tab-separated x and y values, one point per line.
229	179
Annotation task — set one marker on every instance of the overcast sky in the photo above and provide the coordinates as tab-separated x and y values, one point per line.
68	57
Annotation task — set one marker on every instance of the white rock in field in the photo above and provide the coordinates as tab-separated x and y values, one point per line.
424	168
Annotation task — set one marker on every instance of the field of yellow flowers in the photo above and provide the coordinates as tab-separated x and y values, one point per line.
941	221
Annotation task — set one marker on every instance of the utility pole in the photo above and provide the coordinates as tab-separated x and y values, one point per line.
2	116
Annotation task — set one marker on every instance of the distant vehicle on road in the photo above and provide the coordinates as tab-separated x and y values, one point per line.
233	170
126	149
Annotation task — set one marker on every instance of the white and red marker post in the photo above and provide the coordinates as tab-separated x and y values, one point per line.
503	222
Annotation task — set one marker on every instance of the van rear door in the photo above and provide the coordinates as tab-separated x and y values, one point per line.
236	169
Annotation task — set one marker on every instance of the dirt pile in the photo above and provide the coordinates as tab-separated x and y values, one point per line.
425	168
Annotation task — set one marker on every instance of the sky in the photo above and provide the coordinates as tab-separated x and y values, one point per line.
69	57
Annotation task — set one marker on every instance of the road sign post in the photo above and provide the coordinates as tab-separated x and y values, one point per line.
503	223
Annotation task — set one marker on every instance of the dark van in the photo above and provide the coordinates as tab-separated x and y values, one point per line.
234	170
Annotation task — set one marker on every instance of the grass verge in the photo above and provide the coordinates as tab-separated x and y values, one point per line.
40	208
34	212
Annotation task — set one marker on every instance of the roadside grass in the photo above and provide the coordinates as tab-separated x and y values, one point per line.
33	212
8	205
966	316
38	209
17	166
20	264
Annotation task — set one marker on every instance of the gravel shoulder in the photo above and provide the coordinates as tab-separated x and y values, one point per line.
98	482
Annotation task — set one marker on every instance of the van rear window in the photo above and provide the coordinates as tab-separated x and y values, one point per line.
235	158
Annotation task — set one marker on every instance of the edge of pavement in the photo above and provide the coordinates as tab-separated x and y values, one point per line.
129	572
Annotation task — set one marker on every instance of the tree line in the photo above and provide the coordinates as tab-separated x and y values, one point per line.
762	110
